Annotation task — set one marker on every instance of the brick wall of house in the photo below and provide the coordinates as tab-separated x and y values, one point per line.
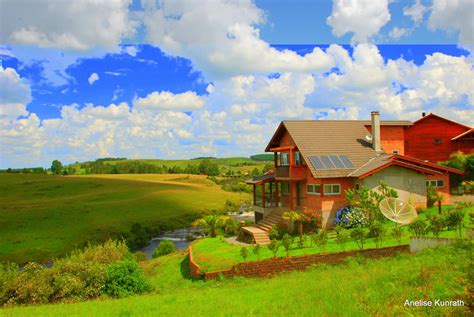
445	191
272	266
391	138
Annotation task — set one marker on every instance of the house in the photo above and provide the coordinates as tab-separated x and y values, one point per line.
434	138
316	161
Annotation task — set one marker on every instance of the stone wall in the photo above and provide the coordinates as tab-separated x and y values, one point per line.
272	266
419	244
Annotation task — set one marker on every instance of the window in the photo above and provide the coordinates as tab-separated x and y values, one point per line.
332	189
298	160
395	152
437	141
435	183
285	159
313	189
285	188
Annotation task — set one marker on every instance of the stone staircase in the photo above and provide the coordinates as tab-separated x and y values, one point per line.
259	231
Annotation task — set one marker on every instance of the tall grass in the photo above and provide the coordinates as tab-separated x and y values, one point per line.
372	288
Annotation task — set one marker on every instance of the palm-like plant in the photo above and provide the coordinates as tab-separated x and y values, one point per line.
211	223
294	217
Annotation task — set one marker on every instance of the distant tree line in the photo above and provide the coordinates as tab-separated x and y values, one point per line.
262	157
103	159
30	170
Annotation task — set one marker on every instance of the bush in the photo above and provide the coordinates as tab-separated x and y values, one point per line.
397	233
418	227
350	217
322	239
273	246
432	196
359	235
377	231
138	237
256	250
436	225
140	256
165	247
244	253
273	232
125	278
454	218
342	240
80	276
286	242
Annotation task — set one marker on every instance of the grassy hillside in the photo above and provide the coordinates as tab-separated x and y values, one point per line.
44	216
358	288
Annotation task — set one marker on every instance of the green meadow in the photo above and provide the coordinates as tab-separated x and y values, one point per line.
44	216
357	288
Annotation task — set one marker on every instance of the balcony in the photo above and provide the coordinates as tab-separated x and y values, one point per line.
282	171
297	172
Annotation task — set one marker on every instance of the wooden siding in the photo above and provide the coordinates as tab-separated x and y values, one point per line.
420	139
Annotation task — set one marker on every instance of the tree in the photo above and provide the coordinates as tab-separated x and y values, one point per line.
418	227
359	236
322	239
56	167
397	233
368	200
208	168
256	250
211	223
286	242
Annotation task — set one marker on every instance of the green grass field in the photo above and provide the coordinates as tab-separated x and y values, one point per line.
217	254
44	216
371	288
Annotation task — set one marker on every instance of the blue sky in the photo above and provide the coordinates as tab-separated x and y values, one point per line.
179	80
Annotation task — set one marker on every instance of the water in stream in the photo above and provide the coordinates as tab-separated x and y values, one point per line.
179	236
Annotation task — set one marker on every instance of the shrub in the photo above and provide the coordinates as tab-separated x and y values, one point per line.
286	242
301	241
436	225
273	232
322	239
349	217
282	229
377	231
418	227
125	278
165	247
138	237
256	250
397	233
244	253
454	218
342	240
432	196
359	235
273	246
140	256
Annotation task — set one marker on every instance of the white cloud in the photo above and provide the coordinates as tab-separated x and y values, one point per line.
168	101
415	11
363	18
15	93
222	40
454	15
396	33
57	23
93	78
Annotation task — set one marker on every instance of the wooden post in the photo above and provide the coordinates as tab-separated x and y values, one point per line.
291	161
276	194
254	195
275	160
271	191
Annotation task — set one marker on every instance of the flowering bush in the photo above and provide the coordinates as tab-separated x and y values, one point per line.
349	217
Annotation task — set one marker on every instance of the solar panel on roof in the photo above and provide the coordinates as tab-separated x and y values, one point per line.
336	161
326	162
346	161
316	162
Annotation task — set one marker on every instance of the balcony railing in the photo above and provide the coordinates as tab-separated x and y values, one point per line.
282	171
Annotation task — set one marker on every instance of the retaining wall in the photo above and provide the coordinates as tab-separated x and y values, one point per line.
272	266
419	244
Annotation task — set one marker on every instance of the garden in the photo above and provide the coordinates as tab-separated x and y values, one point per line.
359	226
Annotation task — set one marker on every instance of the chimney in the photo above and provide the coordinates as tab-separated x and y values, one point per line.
423	114
375	118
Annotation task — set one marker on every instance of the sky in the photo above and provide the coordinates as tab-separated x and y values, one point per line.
182	79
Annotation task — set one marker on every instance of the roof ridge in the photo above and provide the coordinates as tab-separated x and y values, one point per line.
368	162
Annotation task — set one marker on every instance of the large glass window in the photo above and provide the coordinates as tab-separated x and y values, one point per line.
313	189
298	160
332	189
285	159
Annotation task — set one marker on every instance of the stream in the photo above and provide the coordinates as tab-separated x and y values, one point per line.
179	236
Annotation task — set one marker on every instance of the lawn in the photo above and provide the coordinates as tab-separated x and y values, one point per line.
43	216
217	254
357	288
